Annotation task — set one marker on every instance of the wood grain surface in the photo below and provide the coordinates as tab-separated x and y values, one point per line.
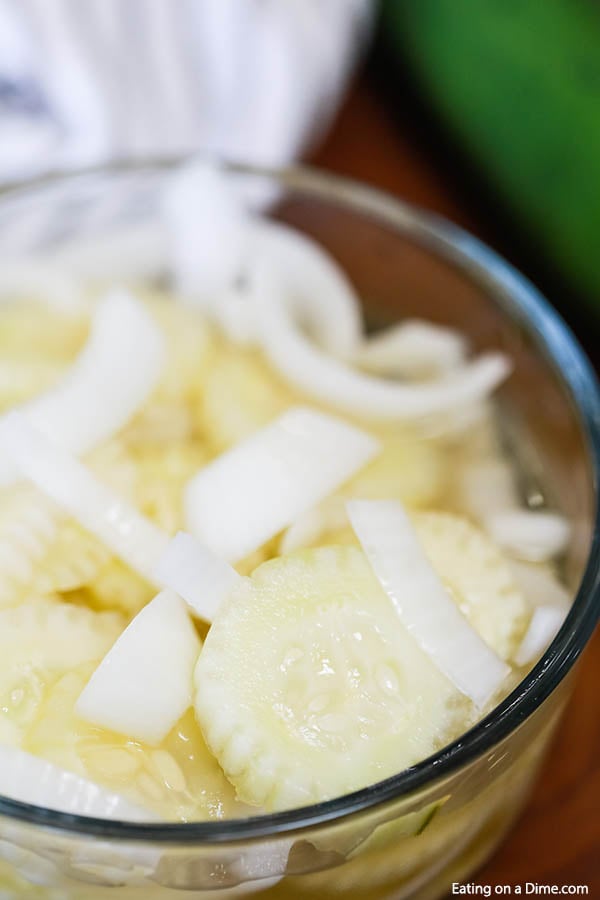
557	840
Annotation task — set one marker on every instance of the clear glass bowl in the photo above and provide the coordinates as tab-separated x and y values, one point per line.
413	834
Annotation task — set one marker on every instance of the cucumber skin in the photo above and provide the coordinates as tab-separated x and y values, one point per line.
518	82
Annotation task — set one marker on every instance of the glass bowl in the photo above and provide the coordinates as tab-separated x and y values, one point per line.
411	835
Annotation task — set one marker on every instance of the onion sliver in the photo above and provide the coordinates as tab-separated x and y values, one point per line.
196	574
307	528
233	312
207	228
110	380
529	534
28	779
539	585
308	274
412	349
250	493
486	487
311	525
315	288
215	243
327	379
424	606
58	475
143	685
545	624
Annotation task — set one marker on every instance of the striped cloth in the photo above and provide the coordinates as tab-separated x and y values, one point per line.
84	81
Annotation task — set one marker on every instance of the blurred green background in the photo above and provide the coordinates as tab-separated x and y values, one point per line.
514	87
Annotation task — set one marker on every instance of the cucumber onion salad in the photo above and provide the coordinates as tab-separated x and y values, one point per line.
240	572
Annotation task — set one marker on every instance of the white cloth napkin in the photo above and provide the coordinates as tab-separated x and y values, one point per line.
84	81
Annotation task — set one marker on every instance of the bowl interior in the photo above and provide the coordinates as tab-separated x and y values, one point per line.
400	272
403	263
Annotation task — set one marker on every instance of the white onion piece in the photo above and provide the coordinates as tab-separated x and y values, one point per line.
233	312
327	379
250	493
459	424
312	524
207	227
134	538
215	243
109	381
528	534
545	624
308	275
126	253
412	349
486	487
423	604
304	530
28	779
36	278
196	574
539	586
319	295
143	685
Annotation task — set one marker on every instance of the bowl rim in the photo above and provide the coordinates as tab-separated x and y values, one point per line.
522	301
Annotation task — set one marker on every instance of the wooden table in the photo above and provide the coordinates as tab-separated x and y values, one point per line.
557	840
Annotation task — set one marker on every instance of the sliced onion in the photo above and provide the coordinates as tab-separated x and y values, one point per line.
304	530
250	493
424	606
110	380
460	424
135	539
28	779
144	684
486	487
215	244
309	275
311	525
234	314
545	624
412	349
539	586
196	574
207	228
487	491
528	534
113	376
315	288
126	253
308	368
34	277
